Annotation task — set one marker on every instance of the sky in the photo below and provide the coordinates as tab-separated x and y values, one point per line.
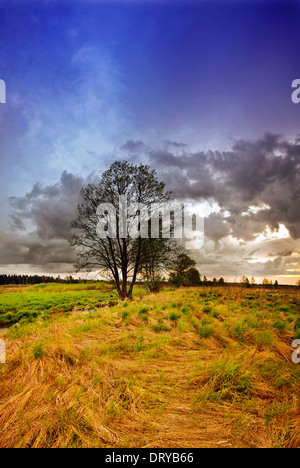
199	90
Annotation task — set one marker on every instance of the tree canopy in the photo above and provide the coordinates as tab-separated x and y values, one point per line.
122	251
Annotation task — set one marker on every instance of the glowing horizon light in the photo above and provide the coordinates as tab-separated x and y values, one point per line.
287	276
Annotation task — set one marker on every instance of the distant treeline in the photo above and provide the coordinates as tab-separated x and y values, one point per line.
36	279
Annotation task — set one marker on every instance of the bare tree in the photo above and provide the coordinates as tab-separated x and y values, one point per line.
159	257
118	253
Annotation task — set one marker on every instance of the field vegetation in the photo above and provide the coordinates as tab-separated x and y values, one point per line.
186	367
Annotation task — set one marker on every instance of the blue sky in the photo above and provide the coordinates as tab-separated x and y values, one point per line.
85	77
203	73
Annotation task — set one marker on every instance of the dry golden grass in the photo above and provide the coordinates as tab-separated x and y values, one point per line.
175	369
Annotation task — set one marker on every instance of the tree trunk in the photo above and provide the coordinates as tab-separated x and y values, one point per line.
136	267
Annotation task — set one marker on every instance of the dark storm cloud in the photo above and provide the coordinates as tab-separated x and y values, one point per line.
49	209
216	227
41	225
271	267
262	173
22	249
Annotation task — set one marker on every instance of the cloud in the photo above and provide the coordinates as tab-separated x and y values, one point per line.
255	191
133	146
50	209
252	225
285	253
41	225
253	174
216	227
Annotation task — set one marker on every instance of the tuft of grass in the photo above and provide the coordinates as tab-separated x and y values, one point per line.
263	339
160	327
206	331
279	325
174	316
225	380
143	310
283	308
125	314
38	351
297	328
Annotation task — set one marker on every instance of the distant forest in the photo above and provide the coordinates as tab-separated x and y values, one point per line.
36	279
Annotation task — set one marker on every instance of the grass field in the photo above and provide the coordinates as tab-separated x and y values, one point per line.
23	304
192	367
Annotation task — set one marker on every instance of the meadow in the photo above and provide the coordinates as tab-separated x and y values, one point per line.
187	367
26	303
